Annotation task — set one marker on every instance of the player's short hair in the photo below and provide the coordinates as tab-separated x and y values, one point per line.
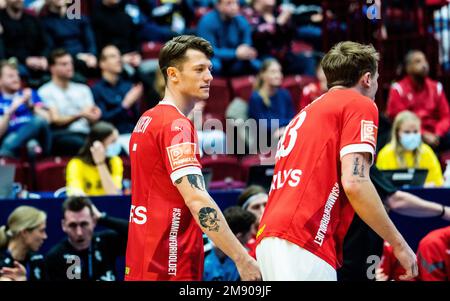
347	61
76	204
239	219
55	55
173	52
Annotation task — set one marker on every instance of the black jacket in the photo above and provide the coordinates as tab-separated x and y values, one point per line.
98	262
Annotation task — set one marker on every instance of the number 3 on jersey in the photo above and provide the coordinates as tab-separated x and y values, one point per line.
291	131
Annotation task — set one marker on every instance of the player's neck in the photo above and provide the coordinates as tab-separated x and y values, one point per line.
17	250
182	103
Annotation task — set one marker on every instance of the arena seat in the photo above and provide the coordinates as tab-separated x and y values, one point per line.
222	167
242	86
219	99
51	173
150	50
295	84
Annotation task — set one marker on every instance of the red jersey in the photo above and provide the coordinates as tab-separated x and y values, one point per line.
433	256
164	241
307	205
428	103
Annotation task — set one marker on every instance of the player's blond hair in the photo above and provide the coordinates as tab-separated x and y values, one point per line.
347	61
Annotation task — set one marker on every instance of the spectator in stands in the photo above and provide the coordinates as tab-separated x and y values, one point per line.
23	117
25	39
20	240
273	33
75	35
254	200
218	266
425	97
313	90
406	150
230	35
93	254
270	102
98	169
434	257
167	19
113	26
116	96
71	105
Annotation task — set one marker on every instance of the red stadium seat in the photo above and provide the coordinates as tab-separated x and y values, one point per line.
219	99
295	84
150	50
223	167
243	86
51	173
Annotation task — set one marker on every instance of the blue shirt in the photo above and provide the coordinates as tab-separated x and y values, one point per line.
23	113
215	270
74	35
281	107
109	99
224	35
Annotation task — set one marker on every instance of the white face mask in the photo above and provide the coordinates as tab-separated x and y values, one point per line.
410	141
113	150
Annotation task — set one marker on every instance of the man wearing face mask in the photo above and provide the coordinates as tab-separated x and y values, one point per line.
98	169
425	97
84	254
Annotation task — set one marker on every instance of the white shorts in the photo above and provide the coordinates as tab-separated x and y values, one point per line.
281	260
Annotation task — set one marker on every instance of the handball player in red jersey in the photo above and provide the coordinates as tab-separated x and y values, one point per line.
170	206
321	176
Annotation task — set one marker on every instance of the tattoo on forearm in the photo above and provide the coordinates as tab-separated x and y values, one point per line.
208	219
355	166
179	180
196	181
358	167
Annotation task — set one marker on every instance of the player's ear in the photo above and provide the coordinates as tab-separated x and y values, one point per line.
366	80
172	74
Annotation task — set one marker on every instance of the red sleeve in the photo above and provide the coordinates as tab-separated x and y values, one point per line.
443	125
431	260
396	103
179	148
359	128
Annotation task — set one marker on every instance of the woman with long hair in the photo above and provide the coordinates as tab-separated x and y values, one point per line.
269	101
407	150
20	240
98	169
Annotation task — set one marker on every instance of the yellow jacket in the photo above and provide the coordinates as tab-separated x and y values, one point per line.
84	177
386	159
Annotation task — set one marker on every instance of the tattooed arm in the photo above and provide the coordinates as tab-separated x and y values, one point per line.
212	222
367	204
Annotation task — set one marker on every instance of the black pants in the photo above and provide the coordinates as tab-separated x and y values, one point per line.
67	143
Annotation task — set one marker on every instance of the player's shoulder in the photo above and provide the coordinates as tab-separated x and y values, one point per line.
436	237
343	99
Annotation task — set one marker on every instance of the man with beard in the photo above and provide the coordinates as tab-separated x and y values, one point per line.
425	97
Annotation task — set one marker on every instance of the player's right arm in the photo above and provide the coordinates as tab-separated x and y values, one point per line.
367	204
212	222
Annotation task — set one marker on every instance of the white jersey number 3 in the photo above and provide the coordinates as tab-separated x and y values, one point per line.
291	131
